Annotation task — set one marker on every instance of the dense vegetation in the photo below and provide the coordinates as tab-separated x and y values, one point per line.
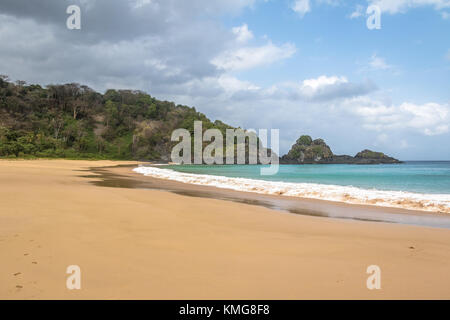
308	150
74	121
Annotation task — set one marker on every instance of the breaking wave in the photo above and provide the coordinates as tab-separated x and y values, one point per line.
347	194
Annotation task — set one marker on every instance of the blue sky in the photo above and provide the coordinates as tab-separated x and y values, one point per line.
407	59
413	43
301	66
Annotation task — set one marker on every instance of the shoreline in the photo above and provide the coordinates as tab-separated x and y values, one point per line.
295	205
434	203
133	243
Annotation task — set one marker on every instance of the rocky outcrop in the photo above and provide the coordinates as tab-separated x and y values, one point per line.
305	150
369	156
309	151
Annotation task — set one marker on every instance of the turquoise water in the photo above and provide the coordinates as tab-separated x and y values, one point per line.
418	177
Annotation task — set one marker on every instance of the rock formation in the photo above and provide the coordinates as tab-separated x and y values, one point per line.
309	151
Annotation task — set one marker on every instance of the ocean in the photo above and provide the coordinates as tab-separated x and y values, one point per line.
411	185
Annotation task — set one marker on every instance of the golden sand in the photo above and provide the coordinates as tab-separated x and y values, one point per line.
147	244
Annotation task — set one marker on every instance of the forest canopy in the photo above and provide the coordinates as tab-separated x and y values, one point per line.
74	121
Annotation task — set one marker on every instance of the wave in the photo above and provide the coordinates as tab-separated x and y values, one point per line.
347	194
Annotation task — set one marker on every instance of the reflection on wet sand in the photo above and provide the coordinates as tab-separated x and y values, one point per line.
118	177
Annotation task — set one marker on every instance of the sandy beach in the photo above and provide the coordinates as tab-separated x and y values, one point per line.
133	243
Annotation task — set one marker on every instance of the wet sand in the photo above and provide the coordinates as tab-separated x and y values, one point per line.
124	177
137	242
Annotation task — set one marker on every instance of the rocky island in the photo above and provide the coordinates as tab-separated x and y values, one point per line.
309	151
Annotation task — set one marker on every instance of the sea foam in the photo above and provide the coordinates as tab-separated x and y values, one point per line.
347	194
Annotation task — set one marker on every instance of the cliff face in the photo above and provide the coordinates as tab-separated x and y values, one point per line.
308	151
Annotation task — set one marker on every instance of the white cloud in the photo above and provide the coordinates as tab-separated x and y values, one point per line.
357	13
333	87
302	7
231	84
242	33
432	118
375	64
429	119
140	3
330	2
399	6
388	6
378	63
323	81
320	89
251	57
151	45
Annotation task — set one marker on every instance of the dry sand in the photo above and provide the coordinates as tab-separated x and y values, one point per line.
148	244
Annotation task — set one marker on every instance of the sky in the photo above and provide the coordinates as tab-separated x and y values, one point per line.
301	66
